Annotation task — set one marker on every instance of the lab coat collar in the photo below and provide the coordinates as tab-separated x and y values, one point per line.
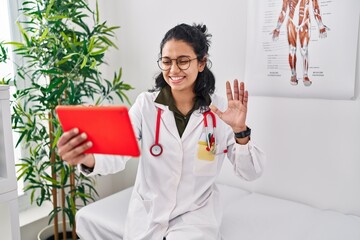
168	120
195	119
161	106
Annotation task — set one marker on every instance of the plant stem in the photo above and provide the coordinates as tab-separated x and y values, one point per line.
53	175
73	189
63	213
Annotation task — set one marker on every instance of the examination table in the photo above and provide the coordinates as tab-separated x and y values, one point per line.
247	216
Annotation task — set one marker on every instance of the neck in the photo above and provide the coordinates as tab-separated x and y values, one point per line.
184	101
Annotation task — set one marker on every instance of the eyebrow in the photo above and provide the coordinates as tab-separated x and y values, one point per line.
178	56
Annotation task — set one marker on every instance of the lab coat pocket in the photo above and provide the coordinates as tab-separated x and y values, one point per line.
139	211
206	163
143	203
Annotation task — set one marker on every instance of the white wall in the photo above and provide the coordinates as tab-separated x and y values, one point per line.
312	145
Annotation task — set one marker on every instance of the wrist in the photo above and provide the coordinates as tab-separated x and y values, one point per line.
86	169
243	133
89	161
239	129
242	141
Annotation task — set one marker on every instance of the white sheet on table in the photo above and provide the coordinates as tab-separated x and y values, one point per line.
104	219
249	215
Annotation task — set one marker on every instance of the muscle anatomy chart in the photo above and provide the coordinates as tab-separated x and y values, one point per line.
301	48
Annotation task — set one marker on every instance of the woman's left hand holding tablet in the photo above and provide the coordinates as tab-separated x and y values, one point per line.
71	147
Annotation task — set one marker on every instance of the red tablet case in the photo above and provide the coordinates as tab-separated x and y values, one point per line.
107	127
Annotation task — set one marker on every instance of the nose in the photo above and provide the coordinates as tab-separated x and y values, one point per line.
174	67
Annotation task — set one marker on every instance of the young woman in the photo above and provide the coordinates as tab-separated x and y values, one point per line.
183	144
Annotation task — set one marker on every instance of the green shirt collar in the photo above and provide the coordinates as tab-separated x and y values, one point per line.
165	98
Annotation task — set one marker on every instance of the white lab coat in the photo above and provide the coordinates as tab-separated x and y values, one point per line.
174	193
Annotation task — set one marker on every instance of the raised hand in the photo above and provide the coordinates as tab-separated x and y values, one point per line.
235	114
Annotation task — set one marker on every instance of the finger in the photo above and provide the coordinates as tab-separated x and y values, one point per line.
216	111
74	161
77	160
67	136
242	88
246	99
76	155
228	91
81	159
71	144
236	89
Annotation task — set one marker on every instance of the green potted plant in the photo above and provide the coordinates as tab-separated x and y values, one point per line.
4	80
63	45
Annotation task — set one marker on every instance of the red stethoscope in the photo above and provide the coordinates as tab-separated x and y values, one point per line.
156	149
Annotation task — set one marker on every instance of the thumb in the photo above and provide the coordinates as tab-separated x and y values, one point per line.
216	111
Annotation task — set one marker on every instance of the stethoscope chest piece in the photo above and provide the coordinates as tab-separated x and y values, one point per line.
156	150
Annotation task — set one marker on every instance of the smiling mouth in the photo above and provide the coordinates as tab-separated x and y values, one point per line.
176	79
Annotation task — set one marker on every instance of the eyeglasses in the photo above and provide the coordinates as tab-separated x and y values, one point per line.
182	62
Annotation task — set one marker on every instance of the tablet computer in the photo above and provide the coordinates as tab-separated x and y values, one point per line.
107	127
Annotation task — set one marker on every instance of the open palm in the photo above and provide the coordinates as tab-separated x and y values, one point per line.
235	114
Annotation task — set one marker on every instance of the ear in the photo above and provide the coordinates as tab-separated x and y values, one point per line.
202	64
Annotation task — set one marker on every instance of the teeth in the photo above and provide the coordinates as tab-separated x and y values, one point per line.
176	78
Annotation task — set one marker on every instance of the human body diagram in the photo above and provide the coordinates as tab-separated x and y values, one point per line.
299	31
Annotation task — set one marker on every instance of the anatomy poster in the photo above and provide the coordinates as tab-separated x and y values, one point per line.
302	48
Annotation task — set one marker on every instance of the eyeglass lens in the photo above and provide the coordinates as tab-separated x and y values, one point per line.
183	63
